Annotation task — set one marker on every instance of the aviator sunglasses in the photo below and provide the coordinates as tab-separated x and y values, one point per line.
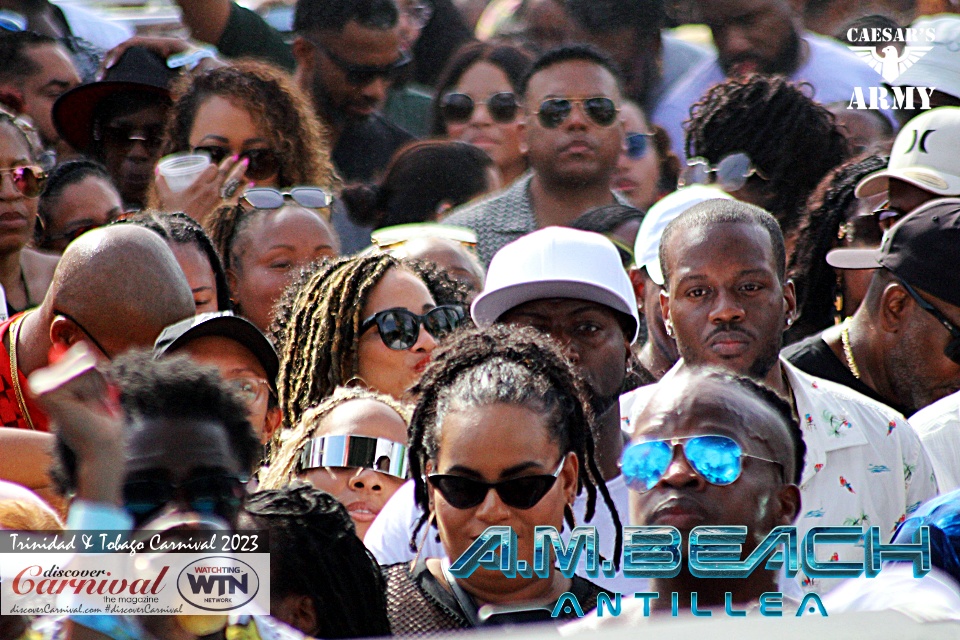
552	113
400	328
718	460
638	144
458	107
219	495
519	493
28	180
730	174
263	163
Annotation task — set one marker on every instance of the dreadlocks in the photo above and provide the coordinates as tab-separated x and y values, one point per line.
320	342
315	551
509	365
791	140
283	465
830	206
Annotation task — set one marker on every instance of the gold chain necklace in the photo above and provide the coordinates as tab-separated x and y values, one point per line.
848	350
14	371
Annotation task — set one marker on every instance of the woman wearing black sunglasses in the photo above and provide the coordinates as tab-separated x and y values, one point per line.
477	103
256	126
25	274
371	319
501	435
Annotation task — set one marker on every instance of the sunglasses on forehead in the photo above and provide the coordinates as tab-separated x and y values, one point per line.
360	452
717	459
520	493
554	111
268	198
400	328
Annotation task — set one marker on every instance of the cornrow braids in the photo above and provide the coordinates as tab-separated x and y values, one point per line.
791	140
512	365
829	208
179	228
224	226
319	338
289	444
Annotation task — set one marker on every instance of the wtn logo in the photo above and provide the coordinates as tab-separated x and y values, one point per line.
891	57
218	583
205	584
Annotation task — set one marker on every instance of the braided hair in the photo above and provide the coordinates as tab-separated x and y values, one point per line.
510	365
315	551
282	466
791	140
179	228
829	208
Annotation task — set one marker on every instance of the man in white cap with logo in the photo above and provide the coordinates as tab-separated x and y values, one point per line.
571	285
924	165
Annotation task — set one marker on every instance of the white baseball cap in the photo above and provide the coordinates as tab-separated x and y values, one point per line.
924	155
556	262
940	67
647	246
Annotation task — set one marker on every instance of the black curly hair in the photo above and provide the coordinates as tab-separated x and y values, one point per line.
315	551
511	365
791	140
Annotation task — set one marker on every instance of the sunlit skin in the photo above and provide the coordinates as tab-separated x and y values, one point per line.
234	360
760	499
362	491
221	122
389	370
195	265
92	202
492	443
271	249
502	141
724	299
57	75
637	179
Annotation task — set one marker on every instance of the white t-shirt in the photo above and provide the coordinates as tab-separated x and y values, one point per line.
938	426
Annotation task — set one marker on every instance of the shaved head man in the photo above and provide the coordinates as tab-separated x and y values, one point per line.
115	288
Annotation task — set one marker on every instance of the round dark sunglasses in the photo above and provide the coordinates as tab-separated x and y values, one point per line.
718	460
458	107
520	493
552	113
29	180
267	198
219	495
263	163
400	328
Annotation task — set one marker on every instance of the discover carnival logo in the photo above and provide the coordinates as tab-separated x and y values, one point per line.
890	55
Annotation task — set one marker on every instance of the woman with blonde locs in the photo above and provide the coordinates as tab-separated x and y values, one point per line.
501	434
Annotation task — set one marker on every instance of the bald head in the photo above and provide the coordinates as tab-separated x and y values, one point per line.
122	283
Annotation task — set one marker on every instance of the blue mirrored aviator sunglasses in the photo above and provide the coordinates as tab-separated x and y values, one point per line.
718	460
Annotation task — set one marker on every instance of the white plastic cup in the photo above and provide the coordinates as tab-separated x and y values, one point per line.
180	170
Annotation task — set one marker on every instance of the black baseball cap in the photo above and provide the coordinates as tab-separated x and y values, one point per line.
923	250
223	324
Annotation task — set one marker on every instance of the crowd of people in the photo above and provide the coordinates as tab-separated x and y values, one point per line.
442	265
